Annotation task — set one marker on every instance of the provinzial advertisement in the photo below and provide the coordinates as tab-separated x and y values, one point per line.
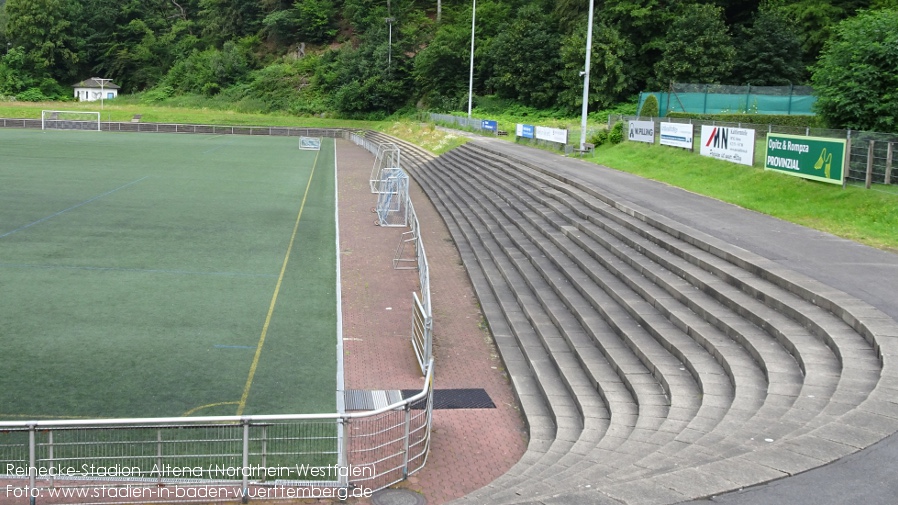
676	135
524	130
736	145
642	131
818	158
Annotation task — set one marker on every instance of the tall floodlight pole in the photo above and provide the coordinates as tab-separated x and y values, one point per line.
471	74
585	74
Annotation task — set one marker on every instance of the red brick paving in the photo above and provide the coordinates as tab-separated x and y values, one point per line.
469	448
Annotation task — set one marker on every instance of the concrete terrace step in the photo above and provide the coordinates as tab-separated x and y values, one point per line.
656	435
600	308
646	431
804	416
590	406
862	366
854	383
525	350
730	425
564	320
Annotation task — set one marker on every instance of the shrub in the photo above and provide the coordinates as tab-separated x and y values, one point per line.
616	135
599	137
32	95
649	107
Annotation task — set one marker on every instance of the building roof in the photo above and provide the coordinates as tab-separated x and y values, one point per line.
93	83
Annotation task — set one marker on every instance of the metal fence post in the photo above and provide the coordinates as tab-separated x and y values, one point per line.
159	454
343	453
50	456
888	177
845	163
869	180
405	443
244	470
32	464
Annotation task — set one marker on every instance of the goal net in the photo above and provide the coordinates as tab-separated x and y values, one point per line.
387	157
310	143
392	199
69	120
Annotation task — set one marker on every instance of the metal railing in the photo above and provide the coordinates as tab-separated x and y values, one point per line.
378	448
140	127
464	122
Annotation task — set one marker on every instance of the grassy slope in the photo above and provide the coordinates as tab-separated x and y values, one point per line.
166	114
869	217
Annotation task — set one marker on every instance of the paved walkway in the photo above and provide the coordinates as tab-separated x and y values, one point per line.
470	448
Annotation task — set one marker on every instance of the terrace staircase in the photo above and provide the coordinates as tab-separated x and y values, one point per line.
653	363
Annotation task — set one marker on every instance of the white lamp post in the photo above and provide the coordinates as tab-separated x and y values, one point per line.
471	74
585	75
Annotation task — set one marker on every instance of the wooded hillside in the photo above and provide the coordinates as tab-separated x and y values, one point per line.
374	57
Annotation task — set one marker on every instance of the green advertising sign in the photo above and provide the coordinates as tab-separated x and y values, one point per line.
821	159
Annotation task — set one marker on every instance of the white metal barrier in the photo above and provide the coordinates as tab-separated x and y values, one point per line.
378	449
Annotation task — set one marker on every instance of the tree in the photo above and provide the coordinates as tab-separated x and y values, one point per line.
643	24
610	80
441	69
48	33
306	21
856	78
697	48
768	53
224	20
813	21
525	60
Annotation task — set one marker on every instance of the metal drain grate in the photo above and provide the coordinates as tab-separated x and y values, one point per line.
364	399
457	398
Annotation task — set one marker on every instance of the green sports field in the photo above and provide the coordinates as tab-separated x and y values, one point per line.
149	275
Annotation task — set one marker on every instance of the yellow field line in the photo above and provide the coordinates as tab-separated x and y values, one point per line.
274	298
209	406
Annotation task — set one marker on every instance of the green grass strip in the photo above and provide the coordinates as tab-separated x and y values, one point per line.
866	216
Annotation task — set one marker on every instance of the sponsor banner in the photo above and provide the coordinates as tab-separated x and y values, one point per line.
676	135
642	131
736	145
817	158
551	134
525	130
489	125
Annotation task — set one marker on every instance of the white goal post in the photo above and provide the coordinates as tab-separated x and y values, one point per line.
310	143
70	120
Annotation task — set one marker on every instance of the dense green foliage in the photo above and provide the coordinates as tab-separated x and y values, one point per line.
375	57
857	76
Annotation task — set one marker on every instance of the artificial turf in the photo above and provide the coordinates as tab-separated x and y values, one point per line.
138	274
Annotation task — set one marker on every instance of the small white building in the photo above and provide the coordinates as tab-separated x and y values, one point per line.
90	90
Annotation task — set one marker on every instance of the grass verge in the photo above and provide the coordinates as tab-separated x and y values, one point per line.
164	114
868	217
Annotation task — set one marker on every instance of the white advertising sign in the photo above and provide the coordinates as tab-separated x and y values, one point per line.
736	145
642	131
676	135
551	134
